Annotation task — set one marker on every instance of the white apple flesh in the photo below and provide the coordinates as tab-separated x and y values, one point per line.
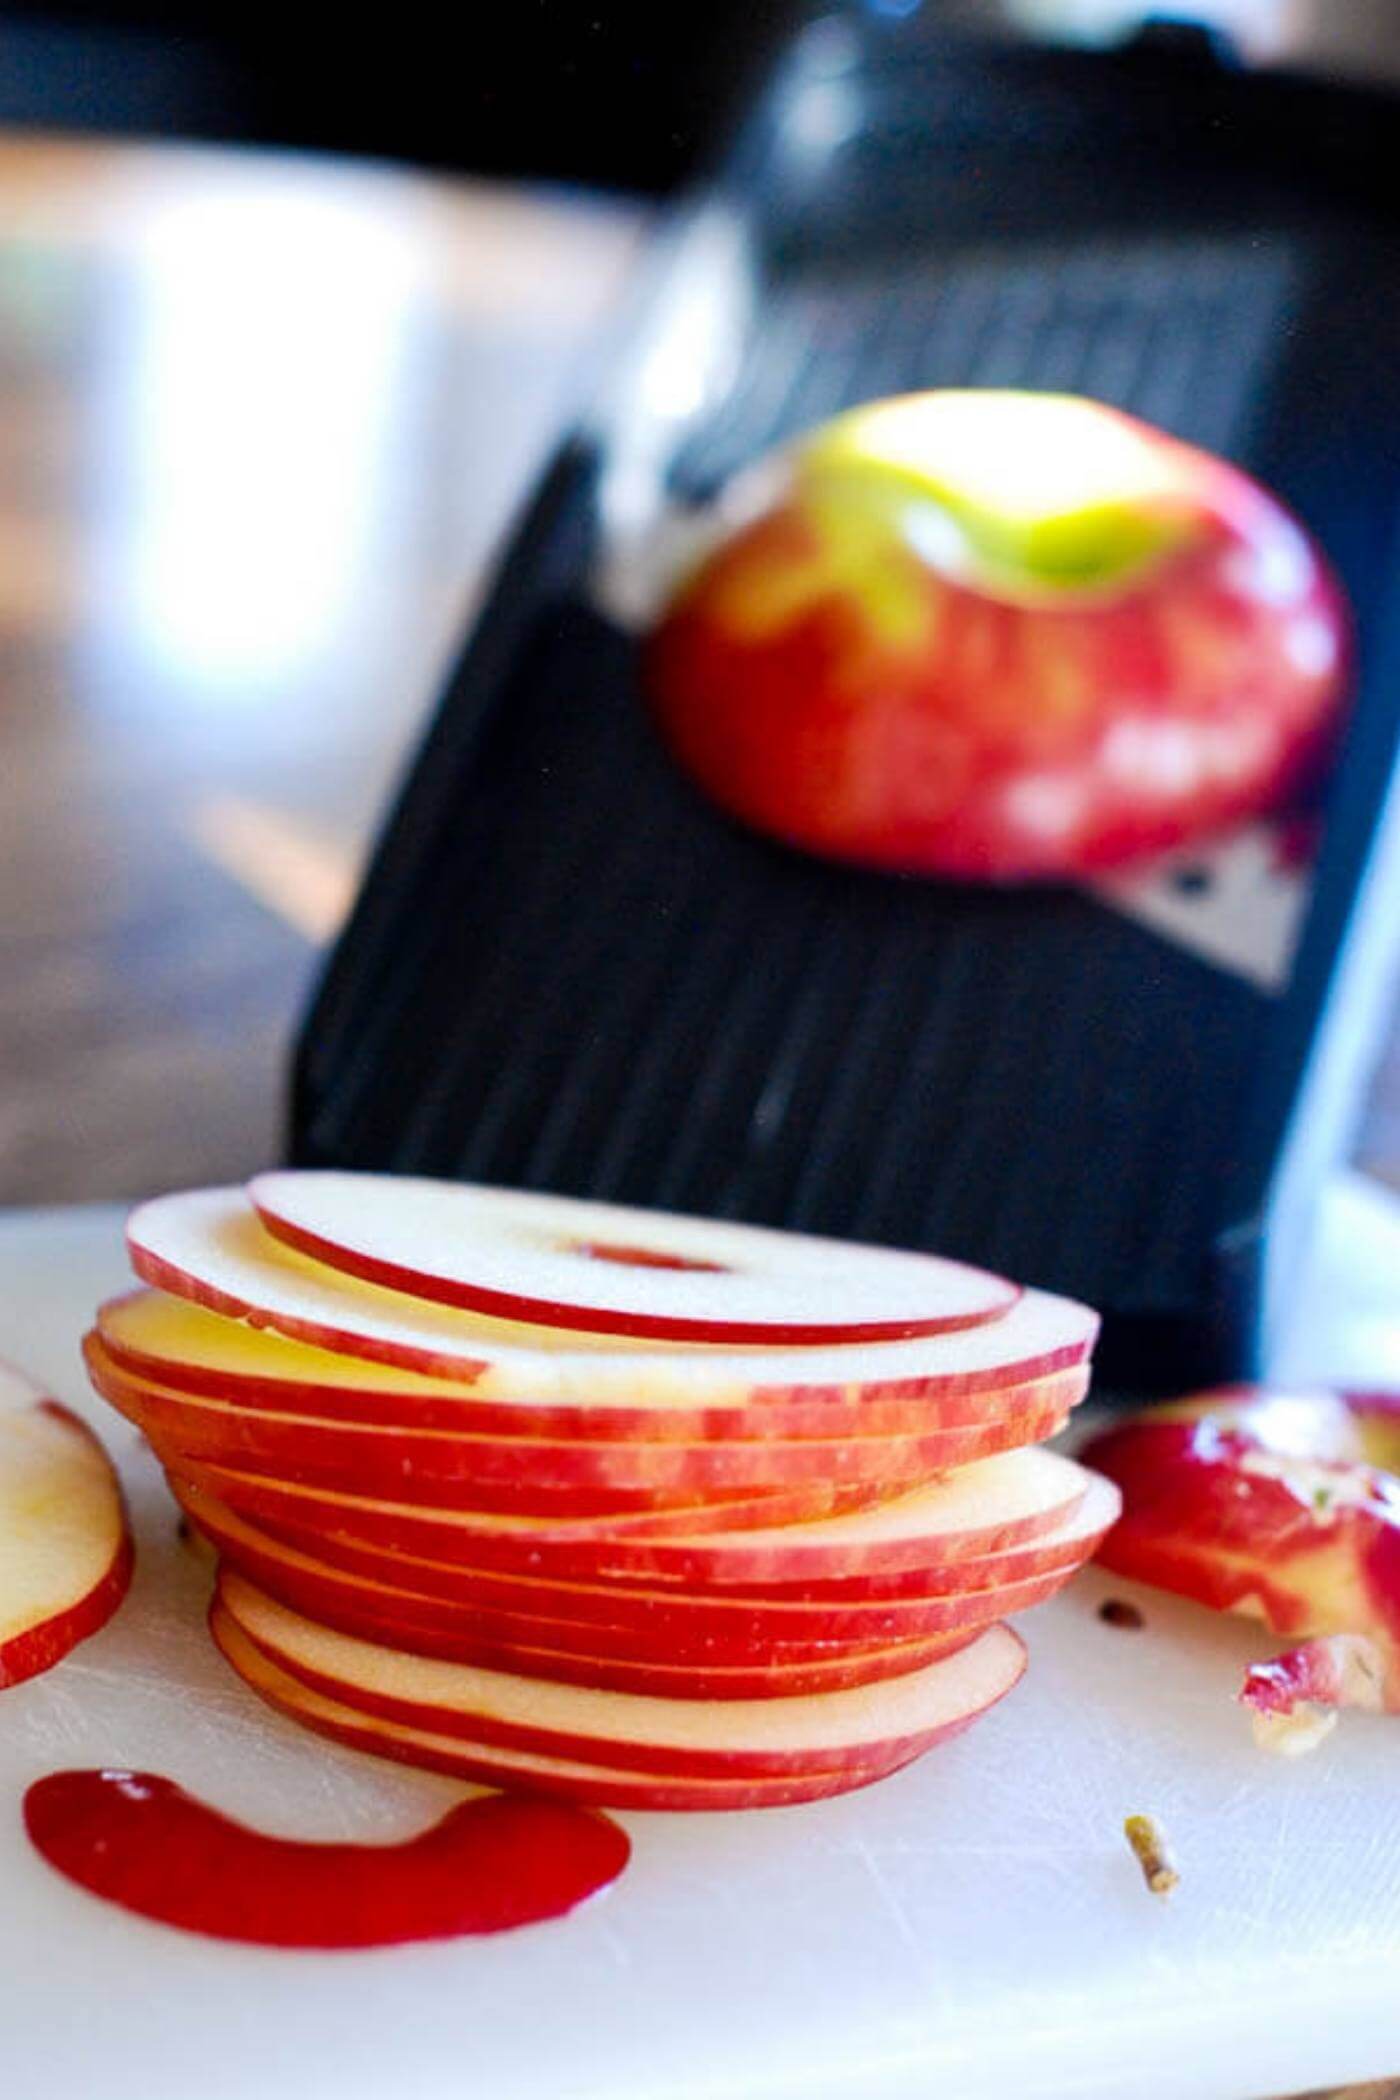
606	1269
208	1246
65	1547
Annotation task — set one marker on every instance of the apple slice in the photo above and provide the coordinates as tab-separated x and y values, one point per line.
170	1342
983	1508
836	1668
65	1547
442	1467
500	1524
605	1269
207	1245
261	1554
517	1769
637	1626
768	1738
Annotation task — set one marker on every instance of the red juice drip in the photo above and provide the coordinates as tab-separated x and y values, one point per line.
492	1863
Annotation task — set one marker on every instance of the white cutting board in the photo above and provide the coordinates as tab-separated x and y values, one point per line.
970	1929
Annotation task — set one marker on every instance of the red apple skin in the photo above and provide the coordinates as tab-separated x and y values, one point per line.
1334	1670
1006	741
1267	1503
462	1411
37	1649
442	1468
599	1787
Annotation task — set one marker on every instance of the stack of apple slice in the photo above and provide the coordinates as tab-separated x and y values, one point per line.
642	1509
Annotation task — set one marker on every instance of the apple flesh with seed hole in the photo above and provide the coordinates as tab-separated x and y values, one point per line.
1281	1505
762	1739
997	1504
65	1547
207	1246
1001	636
604	1269
444	1467
490	1766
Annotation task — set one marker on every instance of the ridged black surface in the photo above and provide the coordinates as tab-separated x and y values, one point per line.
1181	330
632	997
568	971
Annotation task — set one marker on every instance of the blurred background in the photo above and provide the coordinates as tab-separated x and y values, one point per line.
289	320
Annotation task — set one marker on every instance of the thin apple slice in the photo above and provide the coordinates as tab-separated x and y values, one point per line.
445	1468
65	1547
837	1668
419	1527
516	1769
766	1738
655	1625
639	1626
604	1269
170	1342
837	1615
983	1508
208	1246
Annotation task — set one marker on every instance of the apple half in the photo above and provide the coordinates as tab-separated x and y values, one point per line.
1002	636
600	1267
65	1546
208	1246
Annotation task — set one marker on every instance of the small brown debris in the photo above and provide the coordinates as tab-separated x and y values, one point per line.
182	1530
1116	1611
1149	1845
